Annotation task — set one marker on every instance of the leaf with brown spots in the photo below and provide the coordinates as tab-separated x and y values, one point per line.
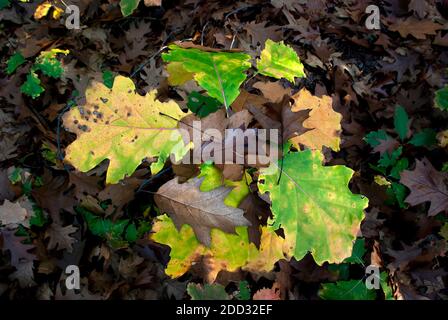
314	206
120	125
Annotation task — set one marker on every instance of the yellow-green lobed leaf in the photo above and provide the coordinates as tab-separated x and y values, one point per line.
120	125
314	206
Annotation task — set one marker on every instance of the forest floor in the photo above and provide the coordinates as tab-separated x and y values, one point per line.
367	74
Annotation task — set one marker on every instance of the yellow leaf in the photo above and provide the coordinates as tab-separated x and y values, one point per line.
272	249
42	10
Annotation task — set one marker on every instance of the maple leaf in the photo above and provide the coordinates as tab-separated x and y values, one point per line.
60	238
220	73
314	206
12	213
417	28
124	127
346	290
278	60
186	204
426	185
323	123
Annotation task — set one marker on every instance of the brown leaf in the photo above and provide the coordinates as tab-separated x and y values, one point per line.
60	237
273	91
18	251
427	185
186	204
12	213
267	294
417	28
324	123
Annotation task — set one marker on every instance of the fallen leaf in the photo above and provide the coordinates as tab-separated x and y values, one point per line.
186	204
426	185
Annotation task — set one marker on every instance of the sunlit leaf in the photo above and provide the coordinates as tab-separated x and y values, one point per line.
31	87
128	6
280	61
120	125
14	62
220	73
314	206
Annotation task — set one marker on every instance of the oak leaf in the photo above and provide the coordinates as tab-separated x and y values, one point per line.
324	123
186	204
313	205
426	185
124	127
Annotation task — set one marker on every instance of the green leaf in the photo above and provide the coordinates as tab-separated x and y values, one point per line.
401	122
401	165
358	252
426	138
112	231
207	292
213	177
48	63
14	62
227	251
397	194
389	159
124	127
128	6
388	294
346	290
278	60
441	99
108	78
31	87
201	105
374	138
314	206
219	73
444	231
244	291
4	4
38	219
